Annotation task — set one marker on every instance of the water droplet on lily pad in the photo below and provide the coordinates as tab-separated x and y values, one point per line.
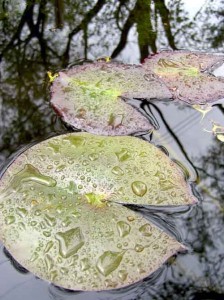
146	230
108	262
10	220
117	171
123	228
139	248
123	274
139	188
70	241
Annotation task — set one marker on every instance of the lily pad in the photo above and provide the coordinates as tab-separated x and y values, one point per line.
59	217
182	73
91	97
200	60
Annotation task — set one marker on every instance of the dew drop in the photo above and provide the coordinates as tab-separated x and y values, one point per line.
53	275
42	225
47	233
64	271
72	188
139	188
122	274
80	280
123	228
66	222
49	262
110	283
140	269
123	155
34	202
93	156
71	161
22	212
70	241
51	221
59	259
21	226
155	246
30	173
166	185
60	168
139	248
34	257
37	212
109	261
9	220
130	218
117	171
76	141
48	246
85	264
146	230
85	163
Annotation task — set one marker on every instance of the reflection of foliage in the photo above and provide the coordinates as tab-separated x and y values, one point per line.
204	31
212	171
211	15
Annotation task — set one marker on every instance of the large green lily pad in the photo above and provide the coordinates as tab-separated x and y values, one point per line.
91	97
183	72
59	217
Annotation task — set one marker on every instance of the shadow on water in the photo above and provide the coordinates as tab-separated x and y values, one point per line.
40	36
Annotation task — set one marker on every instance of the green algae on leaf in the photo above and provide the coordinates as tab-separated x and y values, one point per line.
91	97
183	72
81	237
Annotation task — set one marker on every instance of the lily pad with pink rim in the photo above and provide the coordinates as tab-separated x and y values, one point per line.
91	97
187	76
62	216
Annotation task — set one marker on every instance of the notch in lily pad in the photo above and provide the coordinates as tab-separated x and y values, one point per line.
82	237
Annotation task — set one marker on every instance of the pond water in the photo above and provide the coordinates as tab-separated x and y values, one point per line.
40	36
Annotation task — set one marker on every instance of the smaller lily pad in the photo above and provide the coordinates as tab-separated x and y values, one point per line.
91	97
199	60
182	72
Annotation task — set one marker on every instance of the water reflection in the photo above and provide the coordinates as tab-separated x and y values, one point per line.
38	36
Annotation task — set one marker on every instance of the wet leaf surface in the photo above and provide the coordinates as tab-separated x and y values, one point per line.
182	73
91	97
59	218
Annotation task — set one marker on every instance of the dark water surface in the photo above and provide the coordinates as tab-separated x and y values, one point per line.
41	36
